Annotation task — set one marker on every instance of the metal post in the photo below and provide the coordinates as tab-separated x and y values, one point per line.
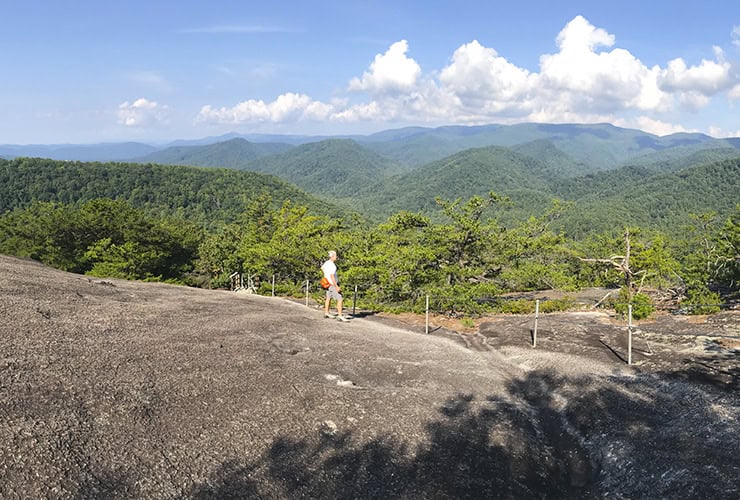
536	317
306	293
273	285
354	301
426	328
629	334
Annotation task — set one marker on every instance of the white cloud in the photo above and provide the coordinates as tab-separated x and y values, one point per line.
391	72
587	80
734	93
652	126
583	80
708	78
286	108
142	112
478	74
720	132
736	36
361	112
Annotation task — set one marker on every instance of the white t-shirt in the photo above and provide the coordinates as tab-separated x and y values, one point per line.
330	271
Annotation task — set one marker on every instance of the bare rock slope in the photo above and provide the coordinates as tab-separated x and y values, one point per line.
121	389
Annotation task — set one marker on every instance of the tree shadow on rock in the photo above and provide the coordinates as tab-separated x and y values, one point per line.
656	436
230	481
549	437
721	369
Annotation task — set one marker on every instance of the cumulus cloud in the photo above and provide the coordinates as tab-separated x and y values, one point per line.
587	80
478	75
286	108
584	79
707	78
720	132
142	112
652	125
736	36
391	72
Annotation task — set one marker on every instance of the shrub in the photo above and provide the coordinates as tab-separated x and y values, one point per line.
520	306
467	322
701	301
642	306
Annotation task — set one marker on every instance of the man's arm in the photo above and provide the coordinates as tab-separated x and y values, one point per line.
333	279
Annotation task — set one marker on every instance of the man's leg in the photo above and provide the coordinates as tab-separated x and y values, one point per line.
341	317
327	303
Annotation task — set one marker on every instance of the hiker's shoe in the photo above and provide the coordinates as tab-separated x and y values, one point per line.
330	316
342	318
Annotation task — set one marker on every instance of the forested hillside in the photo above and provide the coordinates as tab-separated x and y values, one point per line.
340	173
233	153
471	172
329	168
483	221
594	146
680	158
647	196
594	166
199	225
597	146
557	164
205	195
633	196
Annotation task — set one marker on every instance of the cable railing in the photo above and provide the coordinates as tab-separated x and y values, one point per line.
425	303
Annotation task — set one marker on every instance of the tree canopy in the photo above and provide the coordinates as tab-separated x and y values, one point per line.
198	226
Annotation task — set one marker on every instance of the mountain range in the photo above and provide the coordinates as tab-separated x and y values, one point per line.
600	167
602	146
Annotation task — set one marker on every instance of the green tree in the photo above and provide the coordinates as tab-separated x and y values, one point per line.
406	262
463	241
534	257
121	241
102	237
711	262
45	231
700	249
711	251
218	255
654	259
601	271
727	263
290	244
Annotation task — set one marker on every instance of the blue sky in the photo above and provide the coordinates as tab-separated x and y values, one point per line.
153	71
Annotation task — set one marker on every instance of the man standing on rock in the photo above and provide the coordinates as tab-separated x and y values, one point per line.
329	268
